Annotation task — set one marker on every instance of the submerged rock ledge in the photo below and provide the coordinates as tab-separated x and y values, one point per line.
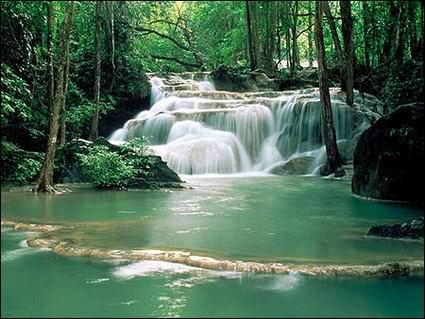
65	248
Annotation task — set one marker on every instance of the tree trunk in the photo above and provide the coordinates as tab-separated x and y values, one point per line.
45	180
251	50
310	37
50	70
95	123
270	36
413	33
347	27
255	31
279	44
295	51
392	31
333	29
109	8
288	39
337	44
398	51
333	157
65	90
366	30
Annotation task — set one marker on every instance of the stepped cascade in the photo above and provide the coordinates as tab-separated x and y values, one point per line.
199	130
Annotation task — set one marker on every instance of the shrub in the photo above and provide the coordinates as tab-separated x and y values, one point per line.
137	153
27	171
105	168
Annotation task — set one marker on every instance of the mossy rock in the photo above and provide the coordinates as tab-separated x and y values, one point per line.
389	157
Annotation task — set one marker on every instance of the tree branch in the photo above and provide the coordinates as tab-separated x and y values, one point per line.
146	31
175	60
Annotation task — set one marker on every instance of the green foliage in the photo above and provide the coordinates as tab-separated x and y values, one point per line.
27	171
19	166
136	152
15	95
106	169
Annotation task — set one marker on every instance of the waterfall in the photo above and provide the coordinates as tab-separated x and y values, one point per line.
198	130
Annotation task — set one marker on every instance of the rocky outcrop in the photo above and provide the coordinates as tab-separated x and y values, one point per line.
233	79
389	156
412	230
68	167
60	239
297	166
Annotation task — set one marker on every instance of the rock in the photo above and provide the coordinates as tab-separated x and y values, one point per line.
414	230
389	156
227	78
296	166
340	172
69	170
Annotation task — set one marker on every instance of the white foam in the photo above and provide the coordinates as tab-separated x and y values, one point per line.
149	267
97	281
283	282
12	255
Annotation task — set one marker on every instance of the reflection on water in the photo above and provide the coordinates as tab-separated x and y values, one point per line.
257	218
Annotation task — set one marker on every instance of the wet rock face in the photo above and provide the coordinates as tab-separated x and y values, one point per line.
389	157
297	166
413	230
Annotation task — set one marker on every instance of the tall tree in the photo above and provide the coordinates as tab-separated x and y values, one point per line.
62	130
337	43
110	23
95	122
295	49
334	32
334	160
366	30
347	33
251	41
310	36
45	180
270	35
50	70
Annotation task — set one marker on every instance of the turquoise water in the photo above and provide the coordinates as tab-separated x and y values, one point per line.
41	284
255	218
299	219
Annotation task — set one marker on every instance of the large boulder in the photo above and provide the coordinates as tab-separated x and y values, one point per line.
389	156
297	166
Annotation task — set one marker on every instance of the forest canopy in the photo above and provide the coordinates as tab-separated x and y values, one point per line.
112	44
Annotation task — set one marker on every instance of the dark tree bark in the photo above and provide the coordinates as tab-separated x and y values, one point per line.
270	36
393	36
366	30
333	29
295	50
95	122
337	44
45	180
63	108
412	27
347	32
110	23
310	36
50	70
256	30
333	161
251	48
288	39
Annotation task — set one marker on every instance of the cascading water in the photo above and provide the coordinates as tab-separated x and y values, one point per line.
198	130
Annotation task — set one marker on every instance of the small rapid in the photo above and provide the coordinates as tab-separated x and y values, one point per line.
199	130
